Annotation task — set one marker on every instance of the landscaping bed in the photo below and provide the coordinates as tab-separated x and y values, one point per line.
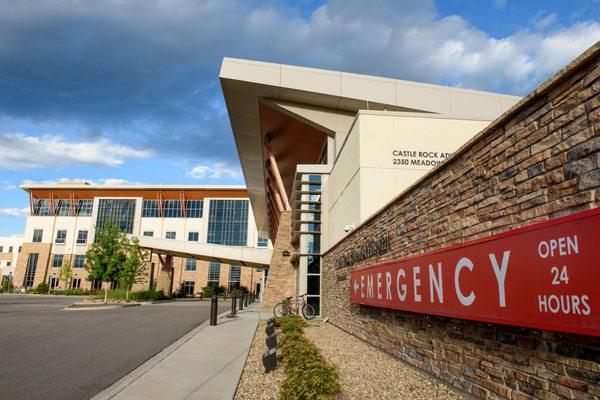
365	372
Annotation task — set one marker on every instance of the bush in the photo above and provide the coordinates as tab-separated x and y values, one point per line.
148	295
309	375
207	291
70	292
292	323
143	295
42	288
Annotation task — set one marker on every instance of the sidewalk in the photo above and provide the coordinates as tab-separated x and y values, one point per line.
206	363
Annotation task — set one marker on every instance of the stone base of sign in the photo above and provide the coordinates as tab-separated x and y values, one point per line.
281	281
539	161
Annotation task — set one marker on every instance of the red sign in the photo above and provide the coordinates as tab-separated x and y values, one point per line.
544	276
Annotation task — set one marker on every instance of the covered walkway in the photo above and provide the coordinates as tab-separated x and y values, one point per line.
233	255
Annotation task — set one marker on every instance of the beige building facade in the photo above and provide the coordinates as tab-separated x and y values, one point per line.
64	217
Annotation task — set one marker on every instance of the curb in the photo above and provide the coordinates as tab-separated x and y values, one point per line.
138	372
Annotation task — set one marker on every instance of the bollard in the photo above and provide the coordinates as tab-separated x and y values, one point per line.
233	306
246	300
214	306
271	341
242	301
269	360
201	296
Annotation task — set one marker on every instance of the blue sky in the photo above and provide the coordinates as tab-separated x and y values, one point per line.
120	91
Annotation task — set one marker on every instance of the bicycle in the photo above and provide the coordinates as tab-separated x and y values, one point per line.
286	308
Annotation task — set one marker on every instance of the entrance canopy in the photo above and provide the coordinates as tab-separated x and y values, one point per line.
233	255
283	115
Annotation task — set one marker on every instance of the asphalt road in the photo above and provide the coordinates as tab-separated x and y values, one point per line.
49	353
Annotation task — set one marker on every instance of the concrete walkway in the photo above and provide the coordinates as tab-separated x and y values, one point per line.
206	363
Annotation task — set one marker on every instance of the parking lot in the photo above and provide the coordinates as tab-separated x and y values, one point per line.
47	352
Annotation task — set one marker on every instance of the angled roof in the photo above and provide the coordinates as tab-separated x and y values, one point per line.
246	83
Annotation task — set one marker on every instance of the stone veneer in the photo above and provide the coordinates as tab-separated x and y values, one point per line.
538	161
281	280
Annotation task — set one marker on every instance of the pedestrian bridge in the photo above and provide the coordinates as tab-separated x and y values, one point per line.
234	255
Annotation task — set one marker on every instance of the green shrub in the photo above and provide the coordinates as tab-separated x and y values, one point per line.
143	295
69	292
148	295
292	323
207	291
42	288
309	375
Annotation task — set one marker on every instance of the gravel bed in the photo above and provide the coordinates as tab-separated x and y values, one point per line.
365	371
255	384
368	373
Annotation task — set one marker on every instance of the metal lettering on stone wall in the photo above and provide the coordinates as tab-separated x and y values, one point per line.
543	276
374	247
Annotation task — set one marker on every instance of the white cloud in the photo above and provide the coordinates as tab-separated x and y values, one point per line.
15	212
20	151
499	4
218	170
99	181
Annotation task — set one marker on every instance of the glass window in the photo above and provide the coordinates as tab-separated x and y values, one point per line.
214	272
234	273
76	283
190	264
79	261
41	207
37	235
188	287
313	263
1	249
116	211
193	236
234	277
263	242
315	301
228	222
96	284
57	261
148	233
8	263
61	236
10	249
150	209
32	260
313	284
313	244
84	207
63	207
193	208
82	237
53	282
170	235
171	209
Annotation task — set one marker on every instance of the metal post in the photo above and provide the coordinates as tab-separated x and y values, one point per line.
242	301
246	295
214	306
233	306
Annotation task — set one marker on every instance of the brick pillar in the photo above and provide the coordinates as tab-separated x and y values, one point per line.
164	280
281	281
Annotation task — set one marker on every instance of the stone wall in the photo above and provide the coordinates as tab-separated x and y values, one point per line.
281	280
538	161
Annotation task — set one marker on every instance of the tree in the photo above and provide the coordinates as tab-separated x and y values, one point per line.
134	267
65	274
105	257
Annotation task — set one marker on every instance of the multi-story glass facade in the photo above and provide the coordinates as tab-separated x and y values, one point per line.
32	261
228	222
120	212
214	273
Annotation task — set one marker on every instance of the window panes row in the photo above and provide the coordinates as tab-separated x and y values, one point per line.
63	207
172	209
